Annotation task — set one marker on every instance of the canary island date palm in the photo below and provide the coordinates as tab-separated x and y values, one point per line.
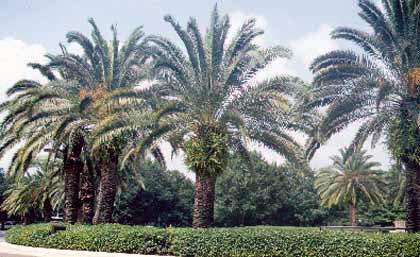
377	86
351	178
49	117
221	106
102	68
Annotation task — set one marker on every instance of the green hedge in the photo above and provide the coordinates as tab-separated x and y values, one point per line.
218	242
103	238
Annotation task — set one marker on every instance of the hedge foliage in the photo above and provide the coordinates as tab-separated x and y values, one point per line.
217	242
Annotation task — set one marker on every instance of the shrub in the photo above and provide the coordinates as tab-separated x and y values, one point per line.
218	242
104	238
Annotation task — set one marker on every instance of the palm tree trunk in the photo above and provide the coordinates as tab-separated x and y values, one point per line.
203	213
107	188
352	214
72	167
87	194
47	210
413	195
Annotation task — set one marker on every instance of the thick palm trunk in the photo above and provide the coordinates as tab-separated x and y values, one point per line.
413	195
47	211
352	214
87	194
72	168
203	213
107	188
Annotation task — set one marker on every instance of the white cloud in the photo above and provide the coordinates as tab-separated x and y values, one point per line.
237	18
15	55
343	139
280	66
74	48
313	44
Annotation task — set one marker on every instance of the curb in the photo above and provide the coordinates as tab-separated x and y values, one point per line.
43	252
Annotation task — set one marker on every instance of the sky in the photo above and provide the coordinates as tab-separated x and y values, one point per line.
32	28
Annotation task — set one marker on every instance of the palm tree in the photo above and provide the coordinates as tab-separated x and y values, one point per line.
38	191
44	117
351	177
378	87
103	68
69	104
218	106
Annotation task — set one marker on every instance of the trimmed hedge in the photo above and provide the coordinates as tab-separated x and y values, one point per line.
102	238
217	242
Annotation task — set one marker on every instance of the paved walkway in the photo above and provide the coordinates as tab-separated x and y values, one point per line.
10	250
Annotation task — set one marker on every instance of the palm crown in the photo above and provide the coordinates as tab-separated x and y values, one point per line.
215	89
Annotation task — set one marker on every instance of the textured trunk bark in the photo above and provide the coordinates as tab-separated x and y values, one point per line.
352	214
72	168
203	201
87	194
47	211
107	188
413	195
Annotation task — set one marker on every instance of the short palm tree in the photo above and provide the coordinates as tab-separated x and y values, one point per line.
379	87
351	177
41	190
218	105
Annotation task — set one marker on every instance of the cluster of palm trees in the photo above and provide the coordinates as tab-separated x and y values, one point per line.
99	116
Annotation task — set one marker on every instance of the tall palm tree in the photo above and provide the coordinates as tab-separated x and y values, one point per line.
41	117
218	106
351	177
70	103
102	68
378	86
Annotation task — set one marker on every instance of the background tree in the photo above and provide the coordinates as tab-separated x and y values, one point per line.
378	86
266	195
3	187
351	178
166	198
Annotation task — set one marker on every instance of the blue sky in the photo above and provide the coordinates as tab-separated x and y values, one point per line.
30	28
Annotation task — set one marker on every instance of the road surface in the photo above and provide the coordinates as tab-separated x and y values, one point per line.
4	254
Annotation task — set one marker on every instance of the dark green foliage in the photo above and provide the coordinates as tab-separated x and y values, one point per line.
266	195
218	242
3	187
105	238
382	216
166	199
